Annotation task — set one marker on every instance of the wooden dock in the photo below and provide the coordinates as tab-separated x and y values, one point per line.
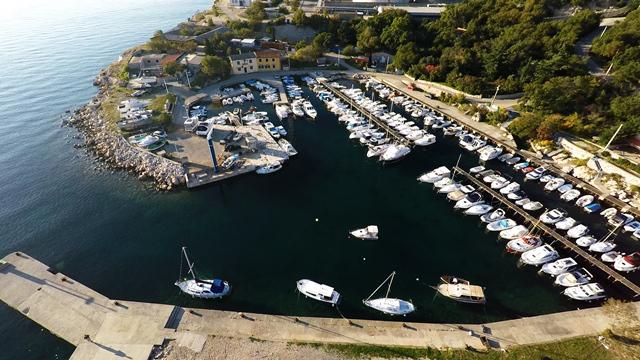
611	274
381	124
106	329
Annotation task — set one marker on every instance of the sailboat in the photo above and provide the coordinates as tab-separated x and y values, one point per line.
387	305
201	288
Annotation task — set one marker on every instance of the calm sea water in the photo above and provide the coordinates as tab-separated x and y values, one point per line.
260	233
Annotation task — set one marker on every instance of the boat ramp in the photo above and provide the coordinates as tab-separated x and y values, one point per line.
612	275
103	329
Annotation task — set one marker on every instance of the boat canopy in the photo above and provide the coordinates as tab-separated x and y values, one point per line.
462	290
217	285
373	229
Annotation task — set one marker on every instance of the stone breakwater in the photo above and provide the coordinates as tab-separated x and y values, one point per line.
101	139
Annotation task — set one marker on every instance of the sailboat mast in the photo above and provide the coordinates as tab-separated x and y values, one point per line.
393	274
379	286
189	264
454	169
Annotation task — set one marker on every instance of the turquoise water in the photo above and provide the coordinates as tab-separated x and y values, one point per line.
106	230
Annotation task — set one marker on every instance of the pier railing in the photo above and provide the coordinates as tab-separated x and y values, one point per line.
611	274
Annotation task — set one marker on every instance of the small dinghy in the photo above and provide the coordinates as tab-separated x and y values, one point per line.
317	291
627	263
566	223
610	257
586	241
513	233
578	231
435	175
554	184
478	209
593	207
367	233
503	224
511	187
559	266
564	188
460	290
476	169
475	198
532	206
201	288
570	195
587	292
584	200
540	255
602	246
512	161
496	215
574	277
524	243
387	305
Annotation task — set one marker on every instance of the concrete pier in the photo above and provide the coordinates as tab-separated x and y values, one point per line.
102	328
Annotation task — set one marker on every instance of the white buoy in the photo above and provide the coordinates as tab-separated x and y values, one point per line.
363	259
316	219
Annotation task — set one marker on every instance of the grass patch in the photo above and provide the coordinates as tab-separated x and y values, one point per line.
579	348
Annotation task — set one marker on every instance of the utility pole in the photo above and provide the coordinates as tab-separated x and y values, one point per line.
165	86
493	99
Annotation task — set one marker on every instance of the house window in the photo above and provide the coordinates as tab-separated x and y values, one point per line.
238	62
250	67
273	60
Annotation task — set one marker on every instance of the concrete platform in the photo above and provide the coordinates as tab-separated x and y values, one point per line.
130	330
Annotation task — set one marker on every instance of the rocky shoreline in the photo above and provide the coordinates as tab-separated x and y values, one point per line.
108	145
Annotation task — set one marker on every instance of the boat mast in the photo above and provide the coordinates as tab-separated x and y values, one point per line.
189	264
454	169
379	286
393	274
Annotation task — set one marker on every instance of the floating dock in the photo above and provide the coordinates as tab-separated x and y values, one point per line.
591	261
105	329
391	131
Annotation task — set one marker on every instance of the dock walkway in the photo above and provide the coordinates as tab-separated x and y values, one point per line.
393	132
105	329
611	274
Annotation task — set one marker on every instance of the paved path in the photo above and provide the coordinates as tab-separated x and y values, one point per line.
124	329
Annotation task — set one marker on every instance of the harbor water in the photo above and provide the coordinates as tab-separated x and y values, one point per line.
261	233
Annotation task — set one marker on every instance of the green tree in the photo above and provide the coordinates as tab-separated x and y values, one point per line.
295	4
256	11
349	50
299	18
406	56
172	68
215	66
322	41
368	41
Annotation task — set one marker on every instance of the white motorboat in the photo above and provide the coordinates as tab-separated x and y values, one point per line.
468	201
523	243
450	188
317	291
610	257
286	146
609	212
586	241
517	195
309	110
499	183
476	169
602	246
566	223
201	288
564	188
574	277
523	202
282	111
632	226
554	184
546	178
377	150
540	255
553	216
587	292
536	173
627	263
269	168
512	187
461	290
585	200
578	231
490	153
570	195
395	152
435	175
456	195
514	160
478	210
620	219
497	214
559	266
502	224
513	233
425	140
521	165
505	157
532	206
367	233
387	305
443	182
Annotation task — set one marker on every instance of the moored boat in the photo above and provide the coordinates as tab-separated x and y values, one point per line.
367	233
496	215
201	288
499	225
460	290
559	266
318	291
524	243
540	255
387	305
269	168
587	292
513	233
573	278
628	263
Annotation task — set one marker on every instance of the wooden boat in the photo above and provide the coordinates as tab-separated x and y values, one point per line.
460	290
